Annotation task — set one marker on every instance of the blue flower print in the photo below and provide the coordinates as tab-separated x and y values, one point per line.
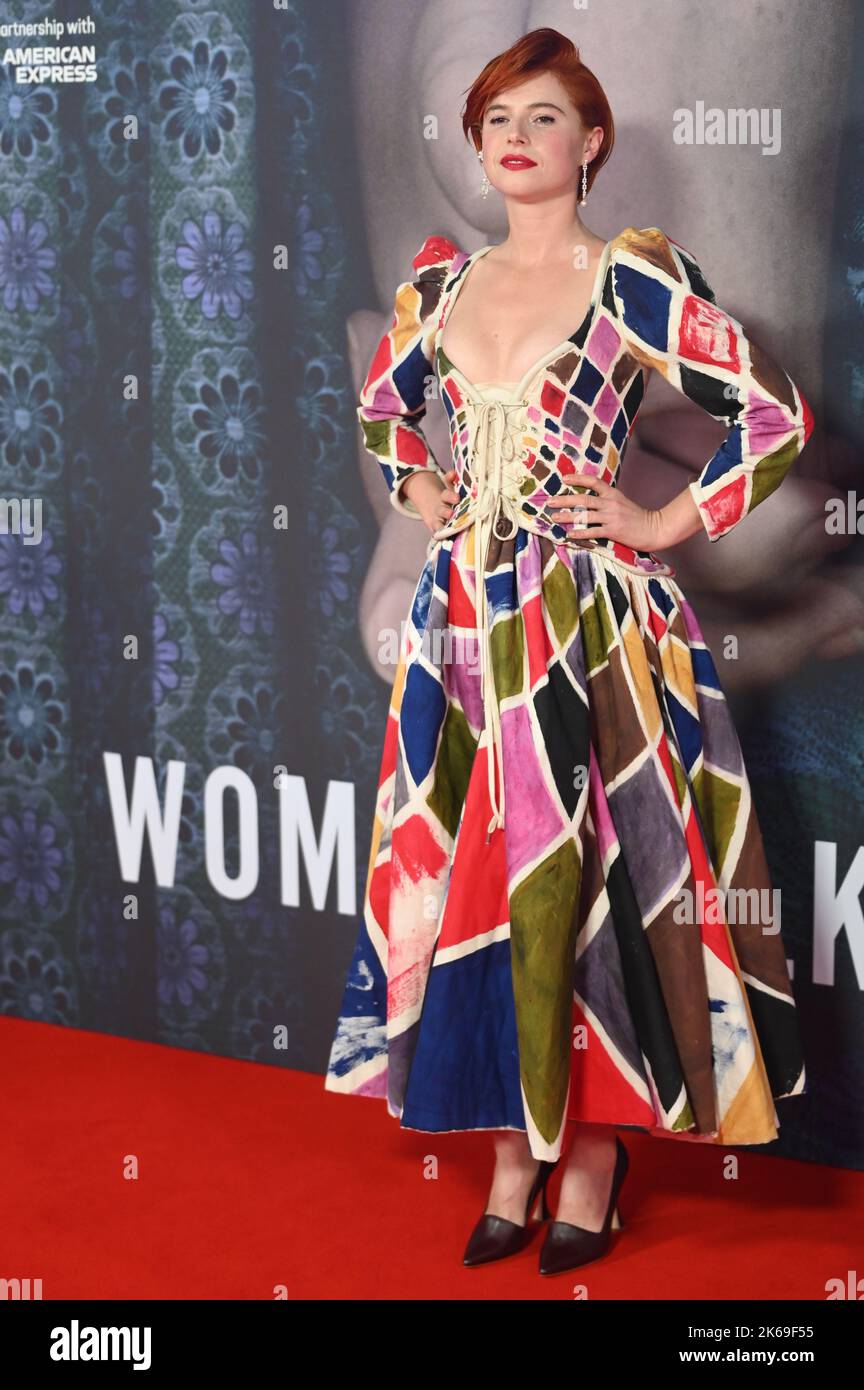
36	979
217	264
30	714
320	398
27	117
244	717
228	420
199	100
297	83
29	420
123	92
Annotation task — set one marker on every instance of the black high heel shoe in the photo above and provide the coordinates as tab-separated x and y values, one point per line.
494	1237
567	1246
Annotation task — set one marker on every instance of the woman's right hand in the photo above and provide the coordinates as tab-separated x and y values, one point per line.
433	501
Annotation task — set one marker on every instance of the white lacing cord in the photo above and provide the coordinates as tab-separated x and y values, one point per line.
495	471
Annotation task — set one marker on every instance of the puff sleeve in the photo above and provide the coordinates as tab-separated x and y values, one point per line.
672	322
392	401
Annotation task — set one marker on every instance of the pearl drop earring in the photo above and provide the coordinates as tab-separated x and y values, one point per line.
485	185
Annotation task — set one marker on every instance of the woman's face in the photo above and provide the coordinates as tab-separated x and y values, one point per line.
535	126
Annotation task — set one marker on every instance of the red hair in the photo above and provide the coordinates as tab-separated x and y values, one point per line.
543	50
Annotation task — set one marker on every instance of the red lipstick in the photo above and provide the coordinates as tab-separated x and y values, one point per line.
517	161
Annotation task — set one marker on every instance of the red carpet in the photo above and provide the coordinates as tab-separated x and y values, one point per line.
250	1177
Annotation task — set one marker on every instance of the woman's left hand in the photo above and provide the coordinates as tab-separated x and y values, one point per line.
608	514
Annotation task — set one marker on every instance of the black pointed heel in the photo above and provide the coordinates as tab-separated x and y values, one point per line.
494	1237
567	1246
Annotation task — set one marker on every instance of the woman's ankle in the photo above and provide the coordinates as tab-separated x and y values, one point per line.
512	1150
591	1146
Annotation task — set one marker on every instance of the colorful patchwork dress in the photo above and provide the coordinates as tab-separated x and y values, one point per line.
562	790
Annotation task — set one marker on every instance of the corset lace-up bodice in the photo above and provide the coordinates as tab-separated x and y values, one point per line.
497	477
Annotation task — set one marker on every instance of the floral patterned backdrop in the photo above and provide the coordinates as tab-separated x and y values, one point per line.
176	393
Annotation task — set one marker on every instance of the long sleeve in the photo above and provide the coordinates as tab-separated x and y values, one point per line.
672	322
393	398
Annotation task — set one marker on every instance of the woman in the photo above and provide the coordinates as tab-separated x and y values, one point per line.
544	949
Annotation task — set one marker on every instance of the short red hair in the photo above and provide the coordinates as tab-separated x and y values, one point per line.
543	50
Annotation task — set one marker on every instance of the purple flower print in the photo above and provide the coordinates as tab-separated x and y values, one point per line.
216	262
165	653
27	574
310	243
127	261
24	261
244	575
336	567
181	958
29	858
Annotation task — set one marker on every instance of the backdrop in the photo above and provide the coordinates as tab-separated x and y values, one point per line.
204	214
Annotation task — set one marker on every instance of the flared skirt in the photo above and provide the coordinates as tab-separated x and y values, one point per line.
613	953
